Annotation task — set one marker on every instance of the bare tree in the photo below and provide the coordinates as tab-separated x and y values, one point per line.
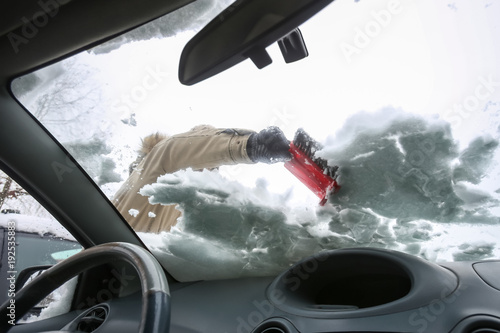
62	102
10	190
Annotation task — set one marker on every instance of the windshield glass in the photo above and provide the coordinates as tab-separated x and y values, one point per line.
403	96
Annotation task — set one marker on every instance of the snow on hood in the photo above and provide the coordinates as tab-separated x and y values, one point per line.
405	186
35	225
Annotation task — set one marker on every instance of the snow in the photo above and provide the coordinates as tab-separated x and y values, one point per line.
400	190
133	212
56	303
411	171
194	14
36	225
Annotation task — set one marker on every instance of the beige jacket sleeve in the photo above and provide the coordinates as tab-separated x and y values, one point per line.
204	147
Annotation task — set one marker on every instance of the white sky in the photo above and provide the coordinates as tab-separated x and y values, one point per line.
428	57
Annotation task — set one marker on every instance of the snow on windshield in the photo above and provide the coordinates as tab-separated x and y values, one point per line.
406	186
421	177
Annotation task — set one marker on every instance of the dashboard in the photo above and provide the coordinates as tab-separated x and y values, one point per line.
347	290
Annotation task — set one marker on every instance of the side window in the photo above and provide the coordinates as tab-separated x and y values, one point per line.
30	236
33	249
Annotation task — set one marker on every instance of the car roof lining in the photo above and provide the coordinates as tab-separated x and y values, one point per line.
76	25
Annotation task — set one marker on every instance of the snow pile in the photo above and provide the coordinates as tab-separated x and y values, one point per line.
226	229
92	155
405	185
192	16
408	167
56	303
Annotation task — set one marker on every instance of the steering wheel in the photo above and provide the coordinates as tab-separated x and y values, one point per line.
155	315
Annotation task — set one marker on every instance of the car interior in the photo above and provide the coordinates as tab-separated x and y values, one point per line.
123	286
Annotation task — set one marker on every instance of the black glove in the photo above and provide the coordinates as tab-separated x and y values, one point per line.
269	146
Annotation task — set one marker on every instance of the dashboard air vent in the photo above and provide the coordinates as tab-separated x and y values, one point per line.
92	319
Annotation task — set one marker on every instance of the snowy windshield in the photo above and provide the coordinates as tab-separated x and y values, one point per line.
403	96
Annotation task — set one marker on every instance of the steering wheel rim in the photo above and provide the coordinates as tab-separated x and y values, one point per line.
155	316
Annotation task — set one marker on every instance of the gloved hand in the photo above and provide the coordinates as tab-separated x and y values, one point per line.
269	146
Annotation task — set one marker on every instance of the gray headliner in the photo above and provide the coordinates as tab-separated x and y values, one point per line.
77	24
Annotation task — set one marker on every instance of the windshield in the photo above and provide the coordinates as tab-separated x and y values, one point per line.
404	97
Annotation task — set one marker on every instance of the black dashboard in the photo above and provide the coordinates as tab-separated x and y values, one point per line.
348	290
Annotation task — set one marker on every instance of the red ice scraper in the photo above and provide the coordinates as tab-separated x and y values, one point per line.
313	171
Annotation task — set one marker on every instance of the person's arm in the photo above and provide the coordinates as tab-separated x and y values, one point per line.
205	147
202	148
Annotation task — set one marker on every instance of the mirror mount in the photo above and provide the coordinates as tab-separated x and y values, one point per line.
260	57
293	47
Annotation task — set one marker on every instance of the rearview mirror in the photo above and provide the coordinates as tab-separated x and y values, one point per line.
244	30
